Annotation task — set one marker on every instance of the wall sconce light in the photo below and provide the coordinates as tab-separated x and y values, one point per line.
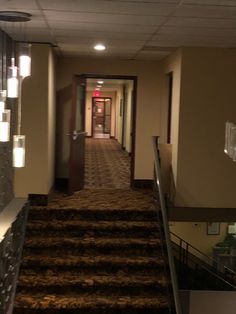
12	80
5	117
18	151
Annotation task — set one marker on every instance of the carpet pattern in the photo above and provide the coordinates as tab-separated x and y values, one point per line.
107	166
79	258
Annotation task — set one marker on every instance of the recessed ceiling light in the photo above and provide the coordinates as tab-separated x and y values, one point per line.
100	82
99	47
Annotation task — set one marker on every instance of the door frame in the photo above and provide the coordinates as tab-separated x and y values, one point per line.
93	98
134	111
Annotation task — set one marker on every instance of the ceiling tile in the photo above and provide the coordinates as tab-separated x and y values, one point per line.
206	11
201	22
102	27
212	2
118	7
99	34
17	5
103	18
197	31
152	55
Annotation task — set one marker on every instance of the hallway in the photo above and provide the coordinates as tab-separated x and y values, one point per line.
107	166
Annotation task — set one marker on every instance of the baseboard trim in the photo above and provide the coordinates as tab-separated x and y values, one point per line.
61	184
38	199
143	184
206	214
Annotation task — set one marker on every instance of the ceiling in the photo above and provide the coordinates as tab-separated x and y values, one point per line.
108	85
130	29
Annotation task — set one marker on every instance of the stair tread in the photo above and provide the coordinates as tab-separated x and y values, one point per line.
69	278
92	260
89	241
58	224
68	209
88	301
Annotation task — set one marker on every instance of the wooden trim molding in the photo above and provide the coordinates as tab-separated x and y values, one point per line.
143	184
206	214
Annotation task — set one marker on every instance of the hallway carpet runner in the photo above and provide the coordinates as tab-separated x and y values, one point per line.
107	166
79	259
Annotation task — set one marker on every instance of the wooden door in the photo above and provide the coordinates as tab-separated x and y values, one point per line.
77	135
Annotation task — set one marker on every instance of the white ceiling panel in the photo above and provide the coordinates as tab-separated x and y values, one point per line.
111	42
201	22
99	35
152	55
126	26
206	11
104	18
198	31
193	41
102	27
17	4
212	2
103	6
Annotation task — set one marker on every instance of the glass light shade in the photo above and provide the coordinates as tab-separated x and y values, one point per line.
25	60
3	94
18	151
12	80
5	117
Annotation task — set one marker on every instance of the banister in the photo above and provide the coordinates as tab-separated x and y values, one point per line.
213	260
166	226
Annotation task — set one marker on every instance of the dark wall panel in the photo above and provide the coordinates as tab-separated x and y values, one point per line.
6	170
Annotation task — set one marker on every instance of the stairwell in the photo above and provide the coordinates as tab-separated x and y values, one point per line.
92	261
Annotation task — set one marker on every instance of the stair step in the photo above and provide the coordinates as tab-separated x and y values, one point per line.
102	261
85	303
91	245
80	228
62	282
92	214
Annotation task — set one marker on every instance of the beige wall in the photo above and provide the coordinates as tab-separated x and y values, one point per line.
148	105
38	125
206	176
119	120
212	302
195	233
128	118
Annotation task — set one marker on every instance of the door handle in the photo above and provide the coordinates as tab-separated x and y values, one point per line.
75	134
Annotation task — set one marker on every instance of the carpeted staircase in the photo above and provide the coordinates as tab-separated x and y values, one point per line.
92	261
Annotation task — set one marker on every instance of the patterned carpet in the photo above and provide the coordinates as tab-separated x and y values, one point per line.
107	166
97	252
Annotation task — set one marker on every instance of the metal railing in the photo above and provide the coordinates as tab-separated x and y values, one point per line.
10	255
166	225
190	258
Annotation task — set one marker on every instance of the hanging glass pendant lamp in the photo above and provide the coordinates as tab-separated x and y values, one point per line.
5	117
3	94
25	60
18	151
12	80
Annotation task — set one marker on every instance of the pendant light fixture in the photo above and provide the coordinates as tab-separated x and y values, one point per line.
12	80
14	85
5	117
18	151
3	94
25	59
